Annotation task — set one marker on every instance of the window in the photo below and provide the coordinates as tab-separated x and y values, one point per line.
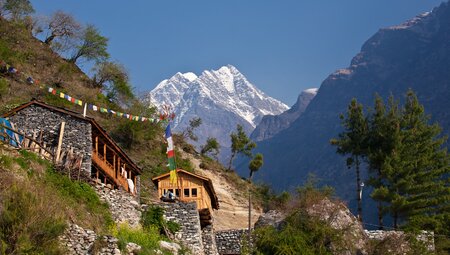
171	191
194	193
177	192
186	192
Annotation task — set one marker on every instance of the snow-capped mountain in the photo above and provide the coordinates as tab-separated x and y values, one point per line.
223	98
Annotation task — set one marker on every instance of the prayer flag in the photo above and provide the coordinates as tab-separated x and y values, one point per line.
61	95
171	155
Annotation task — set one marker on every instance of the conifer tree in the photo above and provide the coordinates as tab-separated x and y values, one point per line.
353	142
424	188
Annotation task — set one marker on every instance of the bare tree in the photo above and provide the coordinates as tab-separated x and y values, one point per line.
62	24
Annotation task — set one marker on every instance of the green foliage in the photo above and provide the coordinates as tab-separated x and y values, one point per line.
113	78
408	163
93	46
353	142
147	238
240	144
26	226
77	193
153	218
255	164
300	233
188	132
211	146
18	8
4	87
11	56
131	134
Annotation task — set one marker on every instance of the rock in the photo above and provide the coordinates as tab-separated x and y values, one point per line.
271	218
172	247
133	248
339	217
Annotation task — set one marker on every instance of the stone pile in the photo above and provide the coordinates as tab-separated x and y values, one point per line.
110	246
77	240
123	206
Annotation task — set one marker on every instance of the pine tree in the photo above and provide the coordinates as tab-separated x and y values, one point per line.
425	187
353	142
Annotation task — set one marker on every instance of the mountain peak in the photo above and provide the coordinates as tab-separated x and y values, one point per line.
223	98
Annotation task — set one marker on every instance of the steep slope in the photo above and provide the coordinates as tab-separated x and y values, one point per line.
271	125
223	98
414	55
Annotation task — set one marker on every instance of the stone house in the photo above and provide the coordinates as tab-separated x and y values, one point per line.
102	159
191	187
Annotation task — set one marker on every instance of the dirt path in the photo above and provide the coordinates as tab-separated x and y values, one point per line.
233	212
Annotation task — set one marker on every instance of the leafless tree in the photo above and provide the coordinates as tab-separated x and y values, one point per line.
60	25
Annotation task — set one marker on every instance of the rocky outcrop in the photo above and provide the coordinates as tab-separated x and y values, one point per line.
123	206
339	217
271	218
399	242
271	125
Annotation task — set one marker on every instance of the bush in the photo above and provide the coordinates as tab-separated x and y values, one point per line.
153	218
4	87
147	238
79	193
28	223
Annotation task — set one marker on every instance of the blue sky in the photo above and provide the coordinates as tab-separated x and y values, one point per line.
282	47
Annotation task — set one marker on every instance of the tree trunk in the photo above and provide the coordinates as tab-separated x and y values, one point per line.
358	189
380	216
395	220
49	39
231	161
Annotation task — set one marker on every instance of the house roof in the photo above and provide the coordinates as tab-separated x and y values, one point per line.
77	115
207	182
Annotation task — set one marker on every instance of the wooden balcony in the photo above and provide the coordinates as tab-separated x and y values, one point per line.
109	170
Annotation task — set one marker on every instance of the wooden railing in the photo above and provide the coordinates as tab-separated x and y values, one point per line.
108	169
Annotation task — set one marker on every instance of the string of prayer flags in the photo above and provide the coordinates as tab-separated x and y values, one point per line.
30	80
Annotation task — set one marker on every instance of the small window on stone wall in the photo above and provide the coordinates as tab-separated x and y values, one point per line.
186	192
194	192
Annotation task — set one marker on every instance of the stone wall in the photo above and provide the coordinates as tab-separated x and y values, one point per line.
123	206
79	241
229	241
209	241
77	132
186	215
426	237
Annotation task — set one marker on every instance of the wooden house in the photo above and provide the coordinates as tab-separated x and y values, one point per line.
64	130
191	187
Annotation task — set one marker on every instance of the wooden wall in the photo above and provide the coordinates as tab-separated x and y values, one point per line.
184	190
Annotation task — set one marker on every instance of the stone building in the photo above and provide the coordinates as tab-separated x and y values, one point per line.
102	159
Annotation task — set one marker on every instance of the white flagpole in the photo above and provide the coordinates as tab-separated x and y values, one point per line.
85	109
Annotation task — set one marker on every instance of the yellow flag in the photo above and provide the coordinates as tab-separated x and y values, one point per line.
173	177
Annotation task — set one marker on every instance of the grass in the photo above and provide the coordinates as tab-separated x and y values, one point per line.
147	238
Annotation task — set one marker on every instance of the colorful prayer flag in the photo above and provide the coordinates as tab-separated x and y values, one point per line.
171	155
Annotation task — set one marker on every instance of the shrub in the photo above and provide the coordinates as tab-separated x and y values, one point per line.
4	87
28	222
147	238
153	218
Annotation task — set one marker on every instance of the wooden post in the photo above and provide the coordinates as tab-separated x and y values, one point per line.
114	165
97	177
118	167
61	133
104	152
96	144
